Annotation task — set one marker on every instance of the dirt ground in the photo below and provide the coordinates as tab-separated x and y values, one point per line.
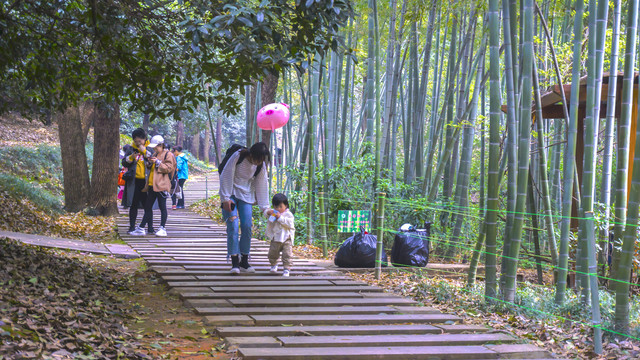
164	326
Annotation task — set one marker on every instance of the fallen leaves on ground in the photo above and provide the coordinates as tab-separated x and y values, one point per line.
21	215
313	252
166	327
52	300
15	130
210	208
59	306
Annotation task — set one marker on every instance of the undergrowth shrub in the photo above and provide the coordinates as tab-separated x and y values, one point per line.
19	188
349	186
41	164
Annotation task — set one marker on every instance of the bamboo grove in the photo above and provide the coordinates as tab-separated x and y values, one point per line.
449	101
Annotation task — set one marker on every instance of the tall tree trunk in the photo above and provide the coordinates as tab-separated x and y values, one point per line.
249	98
104	177
218	140
206	142
268	96
74	162
195	145
145	123
179	133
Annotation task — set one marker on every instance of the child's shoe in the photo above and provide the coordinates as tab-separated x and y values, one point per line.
274	269
285	273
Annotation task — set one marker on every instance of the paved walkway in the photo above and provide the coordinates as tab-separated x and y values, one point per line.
317	313
117	250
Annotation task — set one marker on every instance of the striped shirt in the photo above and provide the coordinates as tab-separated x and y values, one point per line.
237	180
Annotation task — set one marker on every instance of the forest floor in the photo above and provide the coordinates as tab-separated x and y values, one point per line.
104	307
561	336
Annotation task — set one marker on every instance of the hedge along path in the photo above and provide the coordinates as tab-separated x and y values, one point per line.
316	313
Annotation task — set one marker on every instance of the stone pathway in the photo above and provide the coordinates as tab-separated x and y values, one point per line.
117	250
317	313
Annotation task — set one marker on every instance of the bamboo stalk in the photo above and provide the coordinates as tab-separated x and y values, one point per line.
605	189
623	272
569	157
523	154
495	101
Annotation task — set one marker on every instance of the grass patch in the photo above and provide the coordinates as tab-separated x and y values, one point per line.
41	164
20	188
198	166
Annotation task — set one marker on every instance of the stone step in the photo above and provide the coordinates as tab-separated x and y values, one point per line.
338	301
368	353
219	262
395	340
264	276
354	319
279	310
295	289
326	330
277	281
259	272
277	296
506	351
227	267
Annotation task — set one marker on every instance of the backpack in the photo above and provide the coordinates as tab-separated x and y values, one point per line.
121	180
232	150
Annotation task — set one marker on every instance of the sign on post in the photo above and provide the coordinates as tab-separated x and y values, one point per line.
352	220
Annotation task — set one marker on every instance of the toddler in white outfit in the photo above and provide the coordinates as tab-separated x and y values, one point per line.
280	230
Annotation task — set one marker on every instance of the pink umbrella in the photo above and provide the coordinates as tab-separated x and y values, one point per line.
273	116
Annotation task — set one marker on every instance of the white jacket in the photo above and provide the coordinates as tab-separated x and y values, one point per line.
237	180
281	229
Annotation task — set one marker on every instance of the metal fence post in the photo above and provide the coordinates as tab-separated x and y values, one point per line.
379	233
323	224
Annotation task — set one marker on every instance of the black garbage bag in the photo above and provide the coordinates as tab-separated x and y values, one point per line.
359	251
411	248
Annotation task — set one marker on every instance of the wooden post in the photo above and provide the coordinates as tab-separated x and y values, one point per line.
379	233
323	224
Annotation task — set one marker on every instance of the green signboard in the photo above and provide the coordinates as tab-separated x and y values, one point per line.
352	220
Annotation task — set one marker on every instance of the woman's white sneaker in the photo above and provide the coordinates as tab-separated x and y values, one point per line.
138	231
285	273
161	232
274	269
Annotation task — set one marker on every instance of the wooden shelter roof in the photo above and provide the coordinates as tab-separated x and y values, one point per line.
552	98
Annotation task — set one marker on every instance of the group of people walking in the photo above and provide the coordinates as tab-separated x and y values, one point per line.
154	173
